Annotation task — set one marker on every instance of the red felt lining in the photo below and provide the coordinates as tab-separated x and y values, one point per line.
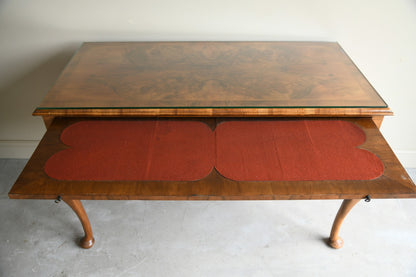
134	150
294	151
187	150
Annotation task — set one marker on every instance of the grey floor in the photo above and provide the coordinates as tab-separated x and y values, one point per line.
187	238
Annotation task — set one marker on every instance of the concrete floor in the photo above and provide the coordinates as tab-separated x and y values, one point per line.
174	238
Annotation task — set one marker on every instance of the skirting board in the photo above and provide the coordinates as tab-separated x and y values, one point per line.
23	149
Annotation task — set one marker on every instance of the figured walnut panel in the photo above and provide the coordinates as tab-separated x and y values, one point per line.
233	75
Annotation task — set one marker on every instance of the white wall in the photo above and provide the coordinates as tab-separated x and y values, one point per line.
38	37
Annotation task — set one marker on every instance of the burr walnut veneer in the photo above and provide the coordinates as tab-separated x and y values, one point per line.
212	121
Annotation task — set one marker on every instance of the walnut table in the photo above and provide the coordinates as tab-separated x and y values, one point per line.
212	121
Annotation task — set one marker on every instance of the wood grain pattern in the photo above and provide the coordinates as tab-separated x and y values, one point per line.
203	78
47	120
378	120
34	183
219	112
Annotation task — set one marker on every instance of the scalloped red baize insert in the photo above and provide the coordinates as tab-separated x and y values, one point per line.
164	150
134	150
294	151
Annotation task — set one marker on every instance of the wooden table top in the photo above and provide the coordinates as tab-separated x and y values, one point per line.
211	79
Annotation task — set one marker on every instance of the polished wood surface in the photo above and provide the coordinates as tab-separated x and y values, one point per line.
211	79
217	112
88	240
335	241
34	183
378	120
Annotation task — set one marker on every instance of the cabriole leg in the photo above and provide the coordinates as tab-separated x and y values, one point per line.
334	240
88	240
